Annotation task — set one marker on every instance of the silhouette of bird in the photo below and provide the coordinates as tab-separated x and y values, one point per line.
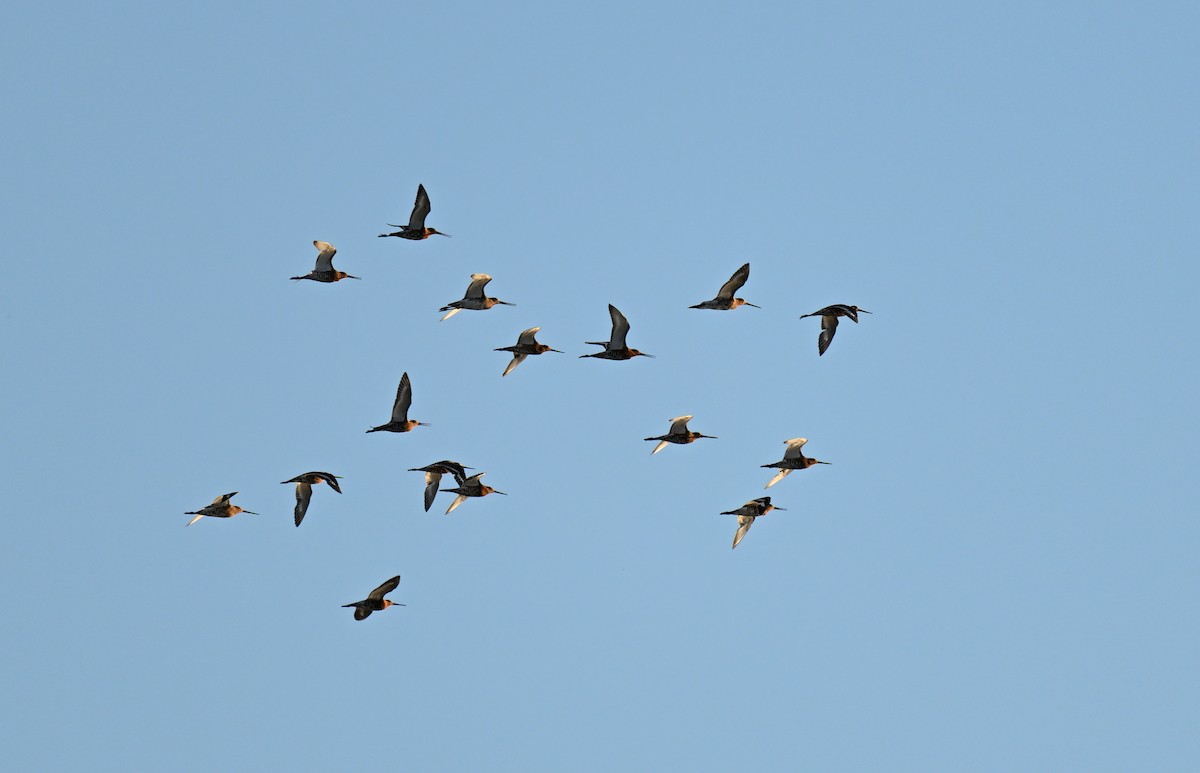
748	512
304	483
375	601
615	348
324	272
725	300
679	434
526	345
416	229
793	459
470	487
400	421
474	299
220	508
433	477
829	322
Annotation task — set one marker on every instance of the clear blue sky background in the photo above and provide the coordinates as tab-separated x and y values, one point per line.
998	572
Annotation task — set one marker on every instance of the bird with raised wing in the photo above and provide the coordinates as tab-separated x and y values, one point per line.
304	483
474	299
526	345
829	322
324	272
748	512
615	348
220	508
433	477
793	459
375	601
725	300
416	229
679	434
400	421
470	487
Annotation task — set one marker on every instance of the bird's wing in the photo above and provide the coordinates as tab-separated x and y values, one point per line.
384	589
793	447
475	289
460	475
661	445
829	325
679	425
325	256
303	495
744	524
432	479
361	613
735	282
198	517
516	360
224	498
331	480
472	481
527	337
620	328
403	399
778	477
762	503
458	500
420	209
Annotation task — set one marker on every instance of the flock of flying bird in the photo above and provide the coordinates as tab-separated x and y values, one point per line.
615	348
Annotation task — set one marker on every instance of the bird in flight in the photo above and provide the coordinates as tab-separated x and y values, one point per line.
470	487
304	483
679	434
400	421
416	230
474	299
829	322
324	272
747	513
433	477
793	459
725	300
375	601
615	348
526	345
220	508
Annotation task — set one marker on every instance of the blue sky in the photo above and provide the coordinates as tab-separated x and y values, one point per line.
997	571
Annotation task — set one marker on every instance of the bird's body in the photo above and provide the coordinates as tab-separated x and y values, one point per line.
433	477
416	230
679	434
474	299
400	421
615	348
793	459
526	345
829	322
324	271
304	484
220	508
746	514
375	601
725	300
469	487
